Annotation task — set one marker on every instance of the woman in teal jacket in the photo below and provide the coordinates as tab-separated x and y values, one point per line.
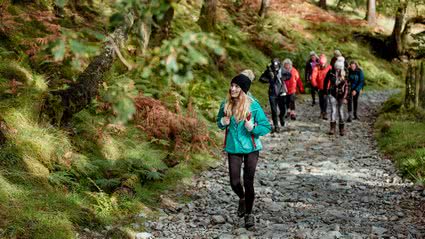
244	121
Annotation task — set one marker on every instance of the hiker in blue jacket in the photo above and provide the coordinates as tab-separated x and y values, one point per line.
356	83
244	121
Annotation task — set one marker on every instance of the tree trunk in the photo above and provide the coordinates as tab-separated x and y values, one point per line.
417	83
422	85
59	106
407	30
367	10
161	28
400	18
409	86
322	4
371	12
207	17
263	8
2	129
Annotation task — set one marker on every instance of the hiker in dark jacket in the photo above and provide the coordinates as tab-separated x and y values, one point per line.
337	94
309	66
244	121
356	83
275	77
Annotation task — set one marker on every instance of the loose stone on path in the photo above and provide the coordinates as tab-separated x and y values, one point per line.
308	185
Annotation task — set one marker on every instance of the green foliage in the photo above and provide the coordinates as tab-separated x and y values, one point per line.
104	205
176	58
102	167
61	3
75	46
401	134
120	92
44	145
31	212
143	14
393	104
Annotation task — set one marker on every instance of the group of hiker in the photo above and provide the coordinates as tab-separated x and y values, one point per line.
337	83
244	121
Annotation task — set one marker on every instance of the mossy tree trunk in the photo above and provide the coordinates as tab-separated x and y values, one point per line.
400	19
207	17
422	85
410	83
162	27
59	106
415	84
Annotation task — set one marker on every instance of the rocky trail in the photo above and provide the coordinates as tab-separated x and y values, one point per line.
308	185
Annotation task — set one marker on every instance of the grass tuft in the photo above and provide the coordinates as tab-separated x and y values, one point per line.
401	134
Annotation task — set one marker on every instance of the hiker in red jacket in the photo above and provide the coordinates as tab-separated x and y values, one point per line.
309	66
317	80
291	85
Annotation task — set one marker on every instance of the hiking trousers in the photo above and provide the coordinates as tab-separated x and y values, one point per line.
322	101
290	102
337	109
313	93
247	190
275	103
352	104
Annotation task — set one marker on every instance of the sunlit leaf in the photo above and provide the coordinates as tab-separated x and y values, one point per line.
61	3
59	50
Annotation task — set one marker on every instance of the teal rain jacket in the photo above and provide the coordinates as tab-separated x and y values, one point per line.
238	140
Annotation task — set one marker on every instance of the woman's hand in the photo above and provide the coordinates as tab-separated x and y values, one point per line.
345	101
249	125
354	93
225	121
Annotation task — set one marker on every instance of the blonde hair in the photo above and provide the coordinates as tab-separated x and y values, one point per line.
341	74
242	105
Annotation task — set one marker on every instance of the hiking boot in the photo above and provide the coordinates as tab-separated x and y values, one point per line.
355	117
325	117
249	221
349	120
241	208
276	129
282	122
313	103
341	129
332	131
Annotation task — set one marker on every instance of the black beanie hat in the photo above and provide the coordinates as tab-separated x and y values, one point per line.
242	81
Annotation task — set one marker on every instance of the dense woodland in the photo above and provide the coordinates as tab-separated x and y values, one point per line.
106	105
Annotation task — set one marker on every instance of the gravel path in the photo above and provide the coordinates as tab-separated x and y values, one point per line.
308	185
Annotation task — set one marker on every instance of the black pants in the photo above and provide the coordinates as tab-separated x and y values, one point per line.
250	163
322	101
275	102
352	103
313	93
290	101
